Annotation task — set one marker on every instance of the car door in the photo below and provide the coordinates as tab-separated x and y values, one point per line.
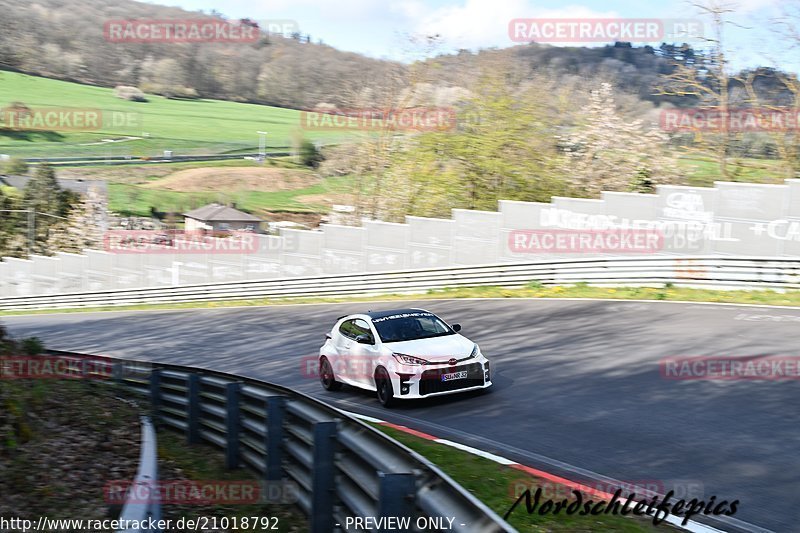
343	344
363	356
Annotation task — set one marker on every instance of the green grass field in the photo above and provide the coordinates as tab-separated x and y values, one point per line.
133	200
703	172
184	126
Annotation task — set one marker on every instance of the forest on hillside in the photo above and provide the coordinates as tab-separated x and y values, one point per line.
64	39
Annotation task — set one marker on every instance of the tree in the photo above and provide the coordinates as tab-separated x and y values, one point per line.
14	165
788	143
310	156
608	153
83	227
12	224
46	202
782	97
42	193
498	143
707	78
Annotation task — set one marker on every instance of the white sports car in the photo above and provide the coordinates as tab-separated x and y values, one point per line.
402	353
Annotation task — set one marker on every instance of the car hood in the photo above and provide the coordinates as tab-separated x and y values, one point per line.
436	348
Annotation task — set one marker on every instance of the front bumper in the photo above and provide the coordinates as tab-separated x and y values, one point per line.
428	382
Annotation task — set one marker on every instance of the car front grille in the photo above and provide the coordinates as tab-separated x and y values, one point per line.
431	380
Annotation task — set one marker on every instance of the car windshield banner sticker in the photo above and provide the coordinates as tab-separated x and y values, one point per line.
402	315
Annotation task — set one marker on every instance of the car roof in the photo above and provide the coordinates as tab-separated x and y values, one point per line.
380	314
390	312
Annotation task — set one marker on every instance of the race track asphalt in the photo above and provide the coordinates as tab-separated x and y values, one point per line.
578	389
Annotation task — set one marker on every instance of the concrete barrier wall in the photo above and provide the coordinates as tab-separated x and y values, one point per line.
729	219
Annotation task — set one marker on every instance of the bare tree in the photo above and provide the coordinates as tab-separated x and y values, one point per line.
708	80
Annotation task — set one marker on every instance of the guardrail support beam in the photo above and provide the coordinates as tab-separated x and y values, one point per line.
116	373
397	495
322	477
232	425
273	439
155	395
193	409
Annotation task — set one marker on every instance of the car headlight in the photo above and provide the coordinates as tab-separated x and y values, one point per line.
409	359
475	351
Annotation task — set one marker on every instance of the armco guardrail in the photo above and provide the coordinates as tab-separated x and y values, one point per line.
696	271
339	466
135	511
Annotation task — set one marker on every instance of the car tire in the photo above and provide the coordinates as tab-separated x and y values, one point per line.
326	377
383	385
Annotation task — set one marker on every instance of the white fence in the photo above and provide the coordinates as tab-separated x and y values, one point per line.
731	219
705	272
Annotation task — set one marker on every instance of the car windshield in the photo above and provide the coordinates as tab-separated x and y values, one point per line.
410	326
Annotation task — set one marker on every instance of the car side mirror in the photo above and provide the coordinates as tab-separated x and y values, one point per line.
365	339
456	327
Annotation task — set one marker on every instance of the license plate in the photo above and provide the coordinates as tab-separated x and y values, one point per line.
454	375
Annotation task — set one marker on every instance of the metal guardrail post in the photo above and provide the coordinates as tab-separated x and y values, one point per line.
232	425
193	409
116	373
155	394
322	477
273	443
397	495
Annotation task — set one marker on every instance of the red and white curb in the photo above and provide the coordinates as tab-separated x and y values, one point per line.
691	525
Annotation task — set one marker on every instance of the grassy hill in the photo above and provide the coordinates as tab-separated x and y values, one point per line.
184	126
64	39
281	187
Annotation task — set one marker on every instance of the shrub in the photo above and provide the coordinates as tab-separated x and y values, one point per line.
14	166
310	156
32	346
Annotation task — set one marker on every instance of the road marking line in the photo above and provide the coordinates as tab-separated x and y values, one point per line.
364	417
475	451
691	525
408	430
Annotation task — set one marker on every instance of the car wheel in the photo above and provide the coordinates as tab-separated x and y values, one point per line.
326	376
383	384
